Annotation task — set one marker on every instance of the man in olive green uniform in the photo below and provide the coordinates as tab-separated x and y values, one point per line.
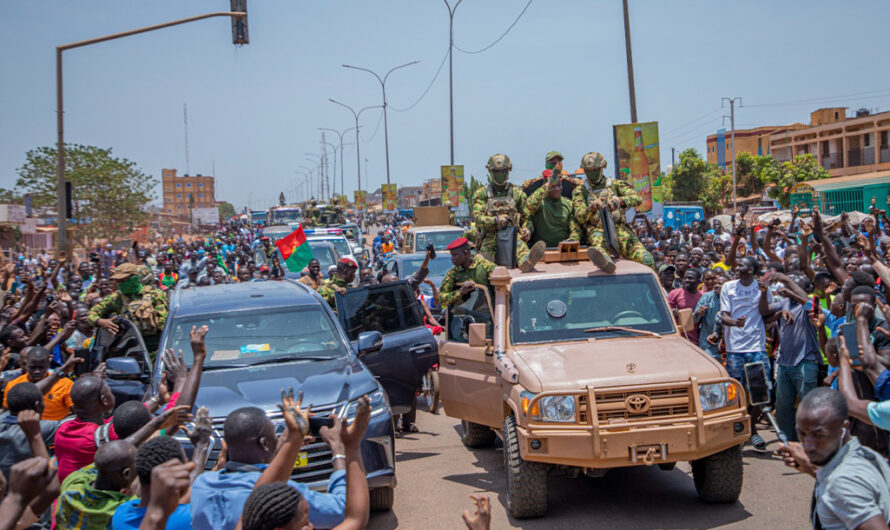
595	196
143	305
468	269
339	281
553	163
552	214
311	218
499	205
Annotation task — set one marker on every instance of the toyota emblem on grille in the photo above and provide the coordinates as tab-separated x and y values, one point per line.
637	404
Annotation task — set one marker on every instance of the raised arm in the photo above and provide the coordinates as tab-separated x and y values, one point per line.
858	408
803	252
832	260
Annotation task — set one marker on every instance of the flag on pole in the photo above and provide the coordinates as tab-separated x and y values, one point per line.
295	250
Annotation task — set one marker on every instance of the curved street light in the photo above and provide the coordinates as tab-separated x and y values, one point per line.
357	150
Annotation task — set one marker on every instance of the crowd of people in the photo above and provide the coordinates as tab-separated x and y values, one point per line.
804	296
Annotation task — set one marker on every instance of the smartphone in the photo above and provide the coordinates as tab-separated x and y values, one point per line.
317	422
82	367
758	387
849	332
816	307
431	248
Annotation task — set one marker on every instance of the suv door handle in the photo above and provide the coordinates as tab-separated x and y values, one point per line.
419	348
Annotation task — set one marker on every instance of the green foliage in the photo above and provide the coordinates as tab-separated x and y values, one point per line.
803	168
689	178
109	193
226	211
718	192
11	197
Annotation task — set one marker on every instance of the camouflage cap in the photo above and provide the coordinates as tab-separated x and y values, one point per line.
553	154
124	271
593	161
499	162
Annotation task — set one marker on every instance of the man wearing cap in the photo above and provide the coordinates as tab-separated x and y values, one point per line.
595	197
553	164
144	305
500	205
552	214
468	270
339	281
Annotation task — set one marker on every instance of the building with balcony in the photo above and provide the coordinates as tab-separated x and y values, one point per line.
842	145
181	193
754	141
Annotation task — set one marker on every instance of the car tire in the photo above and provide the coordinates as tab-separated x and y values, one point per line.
718	478
526	481
474	435
430	391
382	498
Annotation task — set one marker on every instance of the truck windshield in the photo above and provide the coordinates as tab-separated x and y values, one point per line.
284	217
247	337
438	267
339	243
439	239
561	310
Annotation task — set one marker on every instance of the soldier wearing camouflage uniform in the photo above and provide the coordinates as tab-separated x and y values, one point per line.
552	214
616	198
339	281
311	218
553	163
143	305
468	269
499	205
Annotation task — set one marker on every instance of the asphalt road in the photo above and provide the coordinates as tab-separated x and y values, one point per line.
436	474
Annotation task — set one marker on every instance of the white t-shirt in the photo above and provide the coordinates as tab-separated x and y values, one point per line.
742	301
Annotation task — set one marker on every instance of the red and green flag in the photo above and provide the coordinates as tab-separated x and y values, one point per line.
295	250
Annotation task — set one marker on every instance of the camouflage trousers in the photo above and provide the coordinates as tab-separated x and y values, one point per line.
628	244
489	249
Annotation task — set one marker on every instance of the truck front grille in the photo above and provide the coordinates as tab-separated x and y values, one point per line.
662	402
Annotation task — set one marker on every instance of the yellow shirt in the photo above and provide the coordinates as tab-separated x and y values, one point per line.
57	402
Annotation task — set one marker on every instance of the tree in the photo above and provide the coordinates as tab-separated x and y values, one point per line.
803	168
109	193
226	210
688	179
718	193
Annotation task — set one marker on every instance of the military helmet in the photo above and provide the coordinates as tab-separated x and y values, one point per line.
593	161
499	162
553	154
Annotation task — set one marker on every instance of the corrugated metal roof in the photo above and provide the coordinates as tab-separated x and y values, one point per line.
864	179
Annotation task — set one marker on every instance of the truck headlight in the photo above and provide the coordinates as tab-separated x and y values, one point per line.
378	404
558	408
717	396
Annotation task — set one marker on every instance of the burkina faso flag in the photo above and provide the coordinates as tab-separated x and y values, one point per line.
295	250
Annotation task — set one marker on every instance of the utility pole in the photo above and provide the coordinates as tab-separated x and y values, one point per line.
383	87
630	66
673	163
357	150
451	70
185	119
732	101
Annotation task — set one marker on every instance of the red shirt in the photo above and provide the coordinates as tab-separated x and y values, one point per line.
76	445
680	298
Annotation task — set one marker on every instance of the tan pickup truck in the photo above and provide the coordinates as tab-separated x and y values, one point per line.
580	371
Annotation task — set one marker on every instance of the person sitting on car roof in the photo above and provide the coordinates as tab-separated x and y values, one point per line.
339	281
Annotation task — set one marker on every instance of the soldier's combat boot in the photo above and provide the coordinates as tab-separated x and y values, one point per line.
601	259
534	255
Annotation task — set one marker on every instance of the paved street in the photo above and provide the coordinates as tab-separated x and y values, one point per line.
437	474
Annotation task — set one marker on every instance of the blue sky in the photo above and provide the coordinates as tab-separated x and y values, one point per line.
556	81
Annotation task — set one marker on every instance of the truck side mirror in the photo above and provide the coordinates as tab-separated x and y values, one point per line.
122	368
477	335
685	320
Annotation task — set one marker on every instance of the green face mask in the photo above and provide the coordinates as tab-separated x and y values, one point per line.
550	166
130	286
499	177
595	178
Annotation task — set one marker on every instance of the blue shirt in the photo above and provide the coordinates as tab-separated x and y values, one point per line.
129	515
709	321
218	497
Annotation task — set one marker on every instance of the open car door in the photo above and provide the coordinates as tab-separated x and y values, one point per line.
409	349
127	363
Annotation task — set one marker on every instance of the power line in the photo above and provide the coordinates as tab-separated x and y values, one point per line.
825	99
376	128
504	34
670	131
428	87
684	136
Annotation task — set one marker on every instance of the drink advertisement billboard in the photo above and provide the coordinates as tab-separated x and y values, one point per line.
637	156
453	185
390	198
360	200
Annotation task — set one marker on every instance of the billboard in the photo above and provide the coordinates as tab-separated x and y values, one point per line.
360	200
390	197
453	185
637	157
721	148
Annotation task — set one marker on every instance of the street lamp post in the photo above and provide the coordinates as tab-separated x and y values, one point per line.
320	166
340	134
451	69
383	87
334	149
62	207
309	170
357	150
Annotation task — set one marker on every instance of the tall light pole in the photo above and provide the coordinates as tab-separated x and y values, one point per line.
630	66
318	166
451	11
383	87
307	182
357	150
239	37
732	141
340	134
334	149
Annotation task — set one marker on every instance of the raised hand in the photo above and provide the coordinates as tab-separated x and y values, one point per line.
296	419
174	366
196	338
481	518
203	427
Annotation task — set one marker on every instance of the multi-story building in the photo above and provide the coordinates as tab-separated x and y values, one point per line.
432	190
410	196
181	193
842	145
754	141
